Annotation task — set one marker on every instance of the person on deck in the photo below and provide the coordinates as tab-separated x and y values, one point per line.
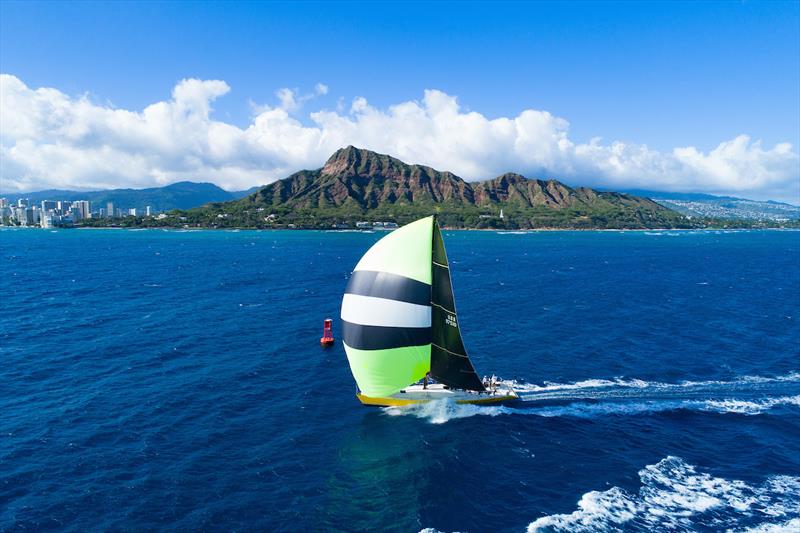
425	380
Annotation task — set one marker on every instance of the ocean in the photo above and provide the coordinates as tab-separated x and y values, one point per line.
173	380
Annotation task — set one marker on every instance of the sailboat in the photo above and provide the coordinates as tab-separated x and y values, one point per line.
400	328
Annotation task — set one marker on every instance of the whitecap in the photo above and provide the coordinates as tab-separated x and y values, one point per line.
747	407
789	526
674	495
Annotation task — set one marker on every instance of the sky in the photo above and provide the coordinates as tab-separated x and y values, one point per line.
692	97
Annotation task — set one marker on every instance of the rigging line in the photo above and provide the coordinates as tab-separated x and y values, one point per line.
448	351
440	265
444	308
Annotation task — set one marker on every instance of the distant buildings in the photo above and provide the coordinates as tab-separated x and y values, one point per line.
48	219
47	214
58	213
76	213
376	225
84	207
733	208
26	216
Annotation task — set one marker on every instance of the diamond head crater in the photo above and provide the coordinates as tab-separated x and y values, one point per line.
359	188
360	185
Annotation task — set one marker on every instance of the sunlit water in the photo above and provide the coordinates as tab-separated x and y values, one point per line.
173	380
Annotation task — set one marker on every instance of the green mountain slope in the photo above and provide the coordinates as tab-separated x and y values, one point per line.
357	184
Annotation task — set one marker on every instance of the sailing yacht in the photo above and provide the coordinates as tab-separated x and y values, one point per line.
400	328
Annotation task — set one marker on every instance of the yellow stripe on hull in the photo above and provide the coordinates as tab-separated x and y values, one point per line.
396	402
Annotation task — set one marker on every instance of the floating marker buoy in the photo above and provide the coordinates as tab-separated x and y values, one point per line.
327	333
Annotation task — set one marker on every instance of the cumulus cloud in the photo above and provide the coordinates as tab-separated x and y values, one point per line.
49	139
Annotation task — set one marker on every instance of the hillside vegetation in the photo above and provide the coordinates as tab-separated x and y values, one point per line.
360	185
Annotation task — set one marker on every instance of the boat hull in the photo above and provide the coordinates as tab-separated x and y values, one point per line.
416	394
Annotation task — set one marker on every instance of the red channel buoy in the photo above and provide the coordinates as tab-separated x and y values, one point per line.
327	333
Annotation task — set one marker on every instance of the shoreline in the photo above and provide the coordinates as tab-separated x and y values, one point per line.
332	230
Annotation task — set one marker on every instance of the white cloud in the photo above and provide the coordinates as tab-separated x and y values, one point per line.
291	101
287	98
49	139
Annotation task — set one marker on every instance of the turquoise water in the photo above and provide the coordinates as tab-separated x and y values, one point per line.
173	380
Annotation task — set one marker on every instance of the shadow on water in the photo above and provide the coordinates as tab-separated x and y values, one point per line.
379	475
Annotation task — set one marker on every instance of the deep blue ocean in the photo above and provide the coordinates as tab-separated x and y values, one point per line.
173	380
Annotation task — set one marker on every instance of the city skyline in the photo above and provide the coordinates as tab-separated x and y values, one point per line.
52	213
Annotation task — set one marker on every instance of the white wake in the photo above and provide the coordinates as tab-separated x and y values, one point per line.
749	395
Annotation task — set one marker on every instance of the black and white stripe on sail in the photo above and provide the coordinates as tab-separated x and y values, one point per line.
382	311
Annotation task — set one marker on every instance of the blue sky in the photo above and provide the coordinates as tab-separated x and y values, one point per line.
660	75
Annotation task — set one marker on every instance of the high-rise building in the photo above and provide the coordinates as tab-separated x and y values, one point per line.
3	202
23	202
48	219
132	211
110	209
64	206
84	207
25	216
148	211
49	205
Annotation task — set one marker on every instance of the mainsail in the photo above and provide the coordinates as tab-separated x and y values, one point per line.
449	361
398	315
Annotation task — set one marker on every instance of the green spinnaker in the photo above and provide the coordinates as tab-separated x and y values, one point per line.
381	373
404	252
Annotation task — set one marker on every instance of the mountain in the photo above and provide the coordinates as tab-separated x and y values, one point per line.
180	195
724	207
356	184
365	180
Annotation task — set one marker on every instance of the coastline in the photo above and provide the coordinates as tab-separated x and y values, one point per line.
445	228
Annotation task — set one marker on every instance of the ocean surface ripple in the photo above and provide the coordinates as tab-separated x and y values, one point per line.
173	380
